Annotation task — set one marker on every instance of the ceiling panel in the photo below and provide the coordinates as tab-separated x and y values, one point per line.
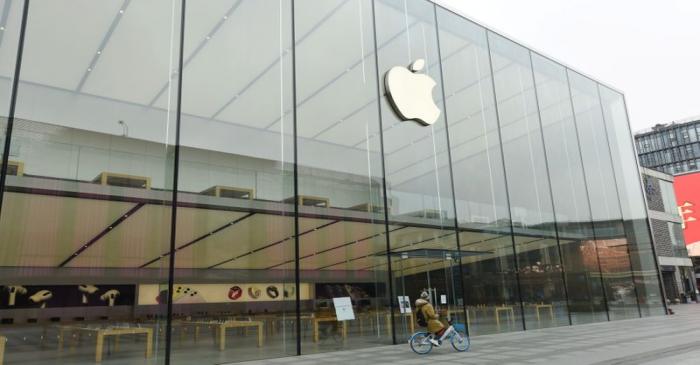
10	38
407	238
45	230
346	254
240	240
58	53
139	238
140	57
238	54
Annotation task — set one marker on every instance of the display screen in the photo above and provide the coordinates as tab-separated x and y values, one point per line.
687	189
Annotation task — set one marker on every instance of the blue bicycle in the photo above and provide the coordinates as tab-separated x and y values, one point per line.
422	342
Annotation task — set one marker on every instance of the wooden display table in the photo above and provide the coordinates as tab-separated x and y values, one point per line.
316	320
3	341
544	306
101	333
460	312
310	201
123	180
230	192
510	314
221	328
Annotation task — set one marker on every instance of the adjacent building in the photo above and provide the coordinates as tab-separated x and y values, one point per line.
671	148
687	188
206	182
667	230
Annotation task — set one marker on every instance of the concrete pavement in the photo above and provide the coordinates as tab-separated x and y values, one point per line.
657	340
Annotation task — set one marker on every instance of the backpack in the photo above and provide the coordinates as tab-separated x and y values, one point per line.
420	318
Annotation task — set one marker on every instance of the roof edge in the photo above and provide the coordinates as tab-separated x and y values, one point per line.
442	4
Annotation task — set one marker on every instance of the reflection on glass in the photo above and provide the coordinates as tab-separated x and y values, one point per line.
569	193
343	248
234	229
480	191
519	208
633	209
9	39
92	203
424	255
539	264
608	228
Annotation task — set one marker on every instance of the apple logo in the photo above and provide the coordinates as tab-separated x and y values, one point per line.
411	93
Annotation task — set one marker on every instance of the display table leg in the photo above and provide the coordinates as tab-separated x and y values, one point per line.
315	329
260	335
149	344
222	338
99	346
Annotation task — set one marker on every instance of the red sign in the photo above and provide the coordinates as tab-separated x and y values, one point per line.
687	189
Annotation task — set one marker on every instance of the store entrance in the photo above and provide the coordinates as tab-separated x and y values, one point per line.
434	271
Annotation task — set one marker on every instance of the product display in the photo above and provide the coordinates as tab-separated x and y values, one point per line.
235	292
272	292
289	291
87	290
14	290
254	292
110	296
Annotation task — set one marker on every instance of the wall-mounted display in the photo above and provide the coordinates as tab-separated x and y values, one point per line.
53	296
151	294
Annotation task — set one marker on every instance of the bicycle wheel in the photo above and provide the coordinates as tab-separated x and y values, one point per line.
460	341
420	343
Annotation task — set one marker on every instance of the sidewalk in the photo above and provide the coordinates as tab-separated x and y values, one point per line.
658	340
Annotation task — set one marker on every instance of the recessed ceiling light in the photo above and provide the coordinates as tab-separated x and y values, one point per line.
208	37
99	52
89	69
225	17
2	28
121	11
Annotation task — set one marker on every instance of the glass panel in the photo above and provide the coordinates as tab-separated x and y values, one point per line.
234	227
424	249
93	202
633	209
584	286
342	243
539	265
668	197
610	240
10	23
482	207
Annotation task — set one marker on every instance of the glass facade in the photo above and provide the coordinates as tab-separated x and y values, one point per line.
673	149
187	182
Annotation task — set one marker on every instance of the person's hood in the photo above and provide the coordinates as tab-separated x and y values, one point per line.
421	302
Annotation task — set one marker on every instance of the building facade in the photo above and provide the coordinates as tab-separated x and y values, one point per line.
671	148
211	182
687	199
667	231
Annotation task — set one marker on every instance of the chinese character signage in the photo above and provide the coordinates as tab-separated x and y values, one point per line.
687	188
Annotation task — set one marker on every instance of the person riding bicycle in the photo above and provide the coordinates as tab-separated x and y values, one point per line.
431	318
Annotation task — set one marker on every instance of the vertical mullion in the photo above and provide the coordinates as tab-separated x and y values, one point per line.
173	210
505	178
648	220
297	296
452	183
392	308
13	102
549	183
588	197
619	196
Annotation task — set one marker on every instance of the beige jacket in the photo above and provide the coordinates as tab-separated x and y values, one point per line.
434	325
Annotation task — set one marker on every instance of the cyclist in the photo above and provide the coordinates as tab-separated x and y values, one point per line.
431	319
